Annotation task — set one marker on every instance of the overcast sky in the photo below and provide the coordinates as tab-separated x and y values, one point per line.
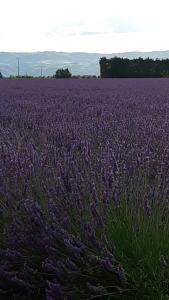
103	26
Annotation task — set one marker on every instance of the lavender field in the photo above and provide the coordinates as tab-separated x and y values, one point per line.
84	189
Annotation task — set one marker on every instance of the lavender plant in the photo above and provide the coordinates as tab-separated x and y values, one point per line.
84	189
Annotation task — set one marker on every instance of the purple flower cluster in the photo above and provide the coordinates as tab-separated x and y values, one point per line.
70	151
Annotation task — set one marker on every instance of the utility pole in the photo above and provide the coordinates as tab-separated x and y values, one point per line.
41	71
18	65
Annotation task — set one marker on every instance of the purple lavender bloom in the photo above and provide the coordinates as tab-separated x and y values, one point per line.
107	264
94	210
54	291
71	265
98	290
58	153
90	234
72	248
50	266
163	262
121	273
96	215
146	205
66	222
105	197
94	193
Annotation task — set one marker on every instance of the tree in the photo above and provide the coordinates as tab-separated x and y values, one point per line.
63	73
1	75
117	67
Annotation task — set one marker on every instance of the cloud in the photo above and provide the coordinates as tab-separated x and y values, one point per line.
77	25
123	24
91	33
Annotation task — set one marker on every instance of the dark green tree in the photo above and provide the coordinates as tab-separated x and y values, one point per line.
63	73
117	67
1	75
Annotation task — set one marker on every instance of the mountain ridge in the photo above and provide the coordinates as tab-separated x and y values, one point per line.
79	63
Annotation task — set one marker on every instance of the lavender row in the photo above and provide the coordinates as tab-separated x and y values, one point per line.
71	152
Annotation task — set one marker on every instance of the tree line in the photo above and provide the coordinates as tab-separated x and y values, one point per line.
60	73
117	67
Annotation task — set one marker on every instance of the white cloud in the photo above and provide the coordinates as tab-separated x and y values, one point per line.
88	25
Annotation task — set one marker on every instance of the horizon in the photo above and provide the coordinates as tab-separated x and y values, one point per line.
85	52
79	63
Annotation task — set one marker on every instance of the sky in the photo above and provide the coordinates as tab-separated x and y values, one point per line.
102	26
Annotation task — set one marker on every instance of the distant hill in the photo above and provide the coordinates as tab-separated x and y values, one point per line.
79	63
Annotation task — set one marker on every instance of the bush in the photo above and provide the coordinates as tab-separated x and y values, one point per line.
63	73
